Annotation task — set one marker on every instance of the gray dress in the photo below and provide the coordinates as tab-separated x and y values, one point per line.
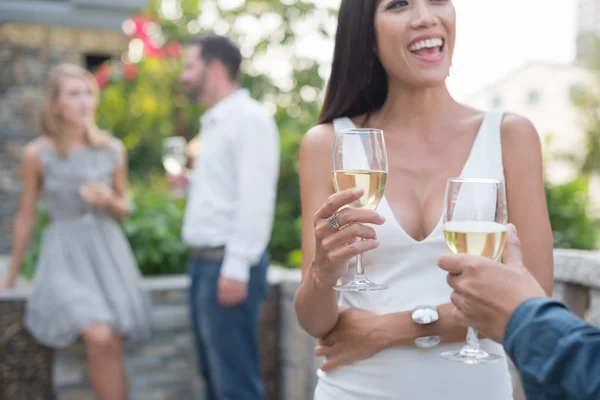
85	272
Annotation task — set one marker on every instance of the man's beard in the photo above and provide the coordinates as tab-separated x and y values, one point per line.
196	92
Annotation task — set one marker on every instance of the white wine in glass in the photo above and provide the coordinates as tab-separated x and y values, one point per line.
372	182
359	160
174	156
475	219
480	238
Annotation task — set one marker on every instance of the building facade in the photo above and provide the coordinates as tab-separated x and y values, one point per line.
588	28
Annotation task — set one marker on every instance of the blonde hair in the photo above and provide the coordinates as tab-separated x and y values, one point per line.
50	121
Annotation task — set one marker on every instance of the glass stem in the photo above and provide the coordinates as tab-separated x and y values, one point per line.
472	342
360	271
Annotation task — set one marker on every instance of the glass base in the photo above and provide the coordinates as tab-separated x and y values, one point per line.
360	284
467	355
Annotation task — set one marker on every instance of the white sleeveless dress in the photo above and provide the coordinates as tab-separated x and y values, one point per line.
410	269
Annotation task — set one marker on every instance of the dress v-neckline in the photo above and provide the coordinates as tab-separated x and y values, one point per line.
384	200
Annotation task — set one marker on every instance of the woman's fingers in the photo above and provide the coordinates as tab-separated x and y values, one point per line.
349	216
337	201
348	235
345	253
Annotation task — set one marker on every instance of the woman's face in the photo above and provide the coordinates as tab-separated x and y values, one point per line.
415	40
75	103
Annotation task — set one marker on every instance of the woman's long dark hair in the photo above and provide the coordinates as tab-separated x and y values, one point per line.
358	82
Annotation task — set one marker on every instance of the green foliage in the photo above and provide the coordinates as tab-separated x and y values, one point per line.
567	206
154	230
587	100
36	241
145	109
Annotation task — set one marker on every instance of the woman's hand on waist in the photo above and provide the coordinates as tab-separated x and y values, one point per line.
357	335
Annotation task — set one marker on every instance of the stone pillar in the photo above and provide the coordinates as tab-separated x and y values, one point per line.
269	342
25	366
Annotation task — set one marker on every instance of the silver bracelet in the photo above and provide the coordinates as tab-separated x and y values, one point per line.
427	342
424	315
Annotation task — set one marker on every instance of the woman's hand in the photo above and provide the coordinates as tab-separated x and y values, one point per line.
6	284
97	194
335	246
356	337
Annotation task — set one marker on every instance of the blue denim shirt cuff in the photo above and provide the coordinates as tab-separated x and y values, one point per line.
521	315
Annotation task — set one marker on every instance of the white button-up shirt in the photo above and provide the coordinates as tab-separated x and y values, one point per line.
233	186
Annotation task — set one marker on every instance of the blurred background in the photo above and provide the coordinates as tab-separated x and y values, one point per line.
525	57
533	57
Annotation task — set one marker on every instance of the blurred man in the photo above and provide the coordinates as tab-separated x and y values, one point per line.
557	354
228	219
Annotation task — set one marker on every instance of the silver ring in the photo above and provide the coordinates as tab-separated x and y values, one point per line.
334	220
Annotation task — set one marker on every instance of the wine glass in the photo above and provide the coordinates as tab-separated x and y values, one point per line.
475	219
359	159
174	157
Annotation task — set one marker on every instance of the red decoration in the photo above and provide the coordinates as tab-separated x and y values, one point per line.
173	49
130	71
103	74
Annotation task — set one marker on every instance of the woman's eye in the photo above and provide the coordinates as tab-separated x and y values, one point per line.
397	4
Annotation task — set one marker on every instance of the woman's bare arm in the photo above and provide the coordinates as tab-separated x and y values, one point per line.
25	219
316	301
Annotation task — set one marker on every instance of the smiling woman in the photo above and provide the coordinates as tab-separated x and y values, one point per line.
428	48
391	61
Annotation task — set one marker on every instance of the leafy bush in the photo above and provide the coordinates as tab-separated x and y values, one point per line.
567	206
142	103
154	230
34	248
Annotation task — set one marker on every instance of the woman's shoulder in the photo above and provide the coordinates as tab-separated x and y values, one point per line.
117	151
35	150
518	131
36	147
115	144
318	138
515	129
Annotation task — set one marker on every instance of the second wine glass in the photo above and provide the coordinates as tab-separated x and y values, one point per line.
475	219
174	158
359	159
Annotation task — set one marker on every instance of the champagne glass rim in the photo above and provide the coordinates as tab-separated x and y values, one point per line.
359	131
175	139
475	180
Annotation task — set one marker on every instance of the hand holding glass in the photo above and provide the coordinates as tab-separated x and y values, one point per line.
359	160
475	219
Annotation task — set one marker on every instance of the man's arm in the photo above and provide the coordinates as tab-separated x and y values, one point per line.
557	353
257	165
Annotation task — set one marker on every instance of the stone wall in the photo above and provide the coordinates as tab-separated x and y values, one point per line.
164	368
27	52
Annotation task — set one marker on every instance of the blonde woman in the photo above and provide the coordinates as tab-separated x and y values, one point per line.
87	284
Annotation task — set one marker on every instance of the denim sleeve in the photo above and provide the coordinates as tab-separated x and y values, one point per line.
557	353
